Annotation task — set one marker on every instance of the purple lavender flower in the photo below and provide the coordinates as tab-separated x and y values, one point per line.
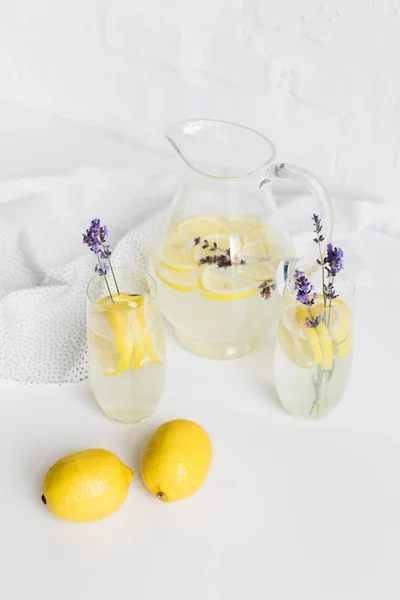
317	229
90	238
266	288
101	269
313	322
95	238
95	225
105	253
330	292
103	233
334	260
304	289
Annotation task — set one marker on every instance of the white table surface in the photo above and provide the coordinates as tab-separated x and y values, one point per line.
291	509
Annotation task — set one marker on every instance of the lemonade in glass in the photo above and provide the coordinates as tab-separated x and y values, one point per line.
313	363
126	345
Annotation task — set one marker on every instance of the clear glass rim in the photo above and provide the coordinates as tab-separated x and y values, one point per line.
146	274
218	121
341	281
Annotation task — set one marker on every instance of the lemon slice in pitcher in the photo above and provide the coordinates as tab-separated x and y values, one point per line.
202	226
241	224
182	281
257	261
175	253
222	243
223	284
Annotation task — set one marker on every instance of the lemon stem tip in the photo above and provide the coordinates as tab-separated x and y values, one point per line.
43	499
161	496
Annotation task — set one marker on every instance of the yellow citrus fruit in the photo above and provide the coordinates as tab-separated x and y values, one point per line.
241	224
202	226
150	348
176	460
294	348
332	337
198	252
175	253
223	284
258	264
126	317
318	338
182	281
338	320
272	237
86	486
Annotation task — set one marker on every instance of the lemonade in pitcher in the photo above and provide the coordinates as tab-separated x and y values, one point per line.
211	272
215	259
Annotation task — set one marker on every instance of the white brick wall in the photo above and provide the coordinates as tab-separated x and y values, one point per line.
320	77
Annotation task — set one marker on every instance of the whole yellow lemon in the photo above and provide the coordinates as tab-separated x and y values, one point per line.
176	460
86	486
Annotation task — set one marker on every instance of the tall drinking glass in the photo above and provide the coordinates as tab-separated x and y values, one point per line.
126	345
313	364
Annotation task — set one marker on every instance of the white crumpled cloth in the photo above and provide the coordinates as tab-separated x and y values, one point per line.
45	268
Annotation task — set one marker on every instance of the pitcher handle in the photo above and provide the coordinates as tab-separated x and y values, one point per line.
324	205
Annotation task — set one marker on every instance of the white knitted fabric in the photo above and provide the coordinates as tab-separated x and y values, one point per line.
45	268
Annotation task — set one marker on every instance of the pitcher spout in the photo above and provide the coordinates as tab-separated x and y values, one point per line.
220	149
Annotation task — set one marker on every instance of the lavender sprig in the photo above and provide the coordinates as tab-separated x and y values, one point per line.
334	260
313	321
223	259
95	238
331	264
266	288
304	288
101	269
318	239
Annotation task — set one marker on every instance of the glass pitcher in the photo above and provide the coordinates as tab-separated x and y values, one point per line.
216	258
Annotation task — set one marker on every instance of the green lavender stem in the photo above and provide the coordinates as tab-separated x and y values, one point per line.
323	274
330	301
105	279
317	386
112	270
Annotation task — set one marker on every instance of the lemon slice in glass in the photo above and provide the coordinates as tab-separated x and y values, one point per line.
294	348
339	324
116	314
202	226
175	253
341	350
339	320
223	284
318	337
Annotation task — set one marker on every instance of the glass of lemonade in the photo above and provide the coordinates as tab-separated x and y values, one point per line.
126	345
312	365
